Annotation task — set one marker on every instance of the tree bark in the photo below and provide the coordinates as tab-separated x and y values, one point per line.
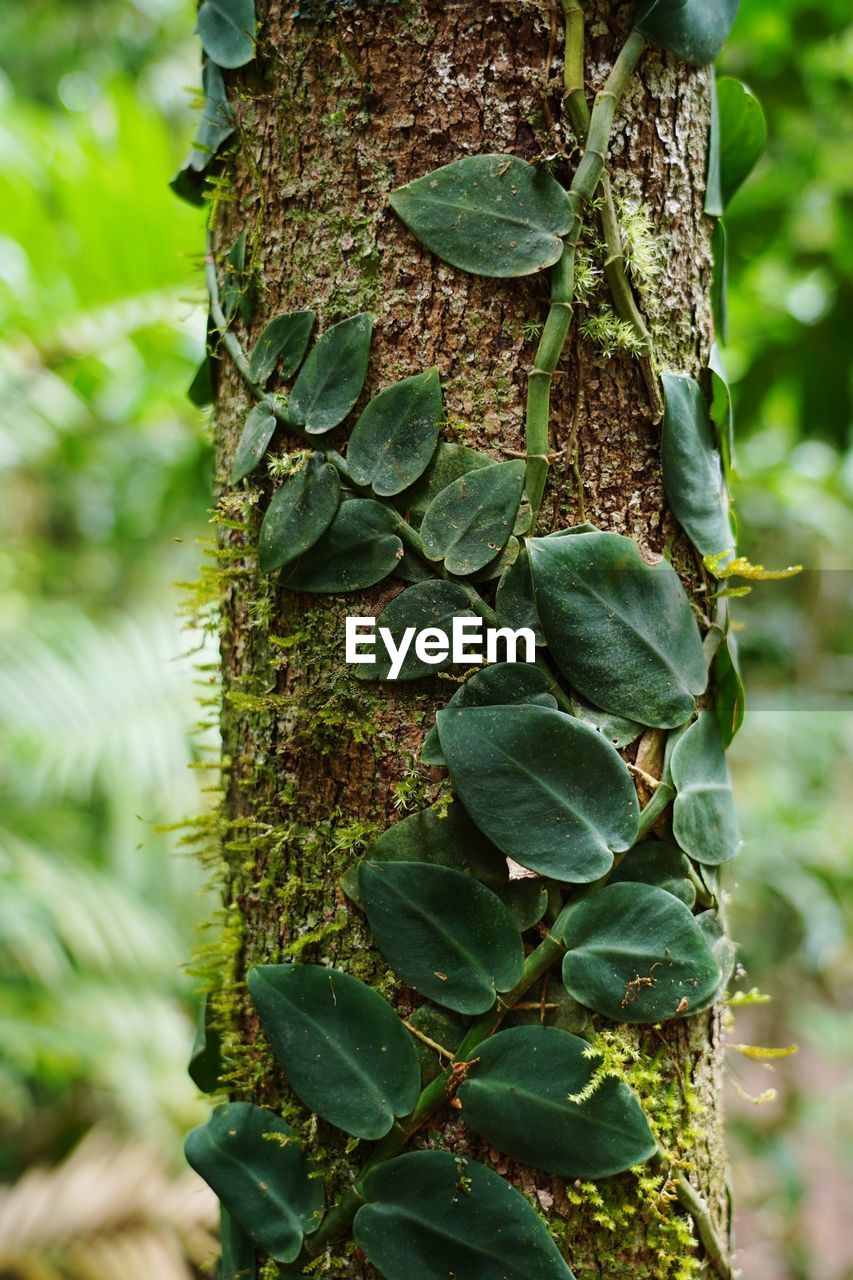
332	117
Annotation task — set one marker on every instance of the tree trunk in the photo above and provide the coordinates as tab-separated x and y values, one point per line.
332	117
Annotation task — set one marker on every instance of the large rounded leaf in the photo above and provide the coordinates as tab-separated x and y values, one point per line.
694	30
344	1051
283	342
259	1171
331	378
395	436
661	864
299	514
621	630
431	1215
359	549
449	462
692	472
227	31
518	1096
704	821
505	684
493	215
471	520
546	789
447	935
432	603
636	954
258	430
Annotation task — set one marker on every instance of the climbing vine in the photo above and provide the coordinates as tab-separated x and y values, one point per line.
627	922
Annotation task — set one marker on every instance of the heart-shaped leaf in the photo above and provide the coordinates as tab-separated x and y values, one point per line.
694	30
618	731
344	1051
433	603
299	513
395	436
205	1065
731	695
546	789
227	31
254	442
661	864
449	462
431	1215
471	520
447	935
704	821
692	471
621	630
258	1169
283	342
519	1097
742	137
636	954
514	602
505	684
359	549
332	376
493	215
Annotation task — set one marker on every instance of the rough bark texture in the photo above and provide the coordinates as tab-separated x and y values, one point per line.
331	119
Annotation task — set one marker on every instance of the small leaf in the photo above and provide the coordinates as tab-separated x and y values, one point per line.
258	1169
618	731
359	549
704	821
514	602
205	1065
743	135
395	437
519	1097
721	405
723	950
503	685
433	603
332	376
636	954
443	1027
546	789
227	30
431	1215
449	462
692	472
720	280
471	520
254	442
217	119
447	935
283	342
621	630
730	694
694	30
493	215
200	390
299	513
660	864
713	187
344	1051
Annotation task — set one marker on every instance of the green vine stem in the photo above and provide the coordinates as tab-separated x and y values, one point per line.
589	171
574	95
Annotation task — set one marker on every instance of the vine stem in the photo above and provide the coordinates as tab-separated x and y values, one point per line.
574	95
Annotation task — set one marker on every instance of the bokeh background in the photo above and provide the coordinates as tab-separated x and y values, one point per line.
104	494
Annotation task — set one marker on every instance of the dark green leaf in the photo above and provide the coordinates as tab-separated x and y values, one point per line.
447	935
713	188
344	1051
560	1011
254	442
704	821
514	602
449	841
449	462
546	789
636	954
526	899
743	135
660	864
258	1169
235	282
359	549
722	948
217	120
621	630
395	437
731	695
502	685
431	1216
331	378
205	1064
227	30
200	390
518	1096
238	1259
493	215
502	561
299	513
443	1027
692	472
694	30
283	342
471	520
434	603
618	731
721	405
720	281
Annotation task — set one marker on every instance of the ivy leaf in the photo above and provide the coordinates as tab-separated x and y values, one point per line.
331	378
660	864
621	630
359	549
258	1169
694	30
743	135
471	520
514	602
396	435
254	442
447	935
299	513
546	789
493	215
692	472
503	685
433	603
205	1065
227	31
284	341
449	462
344	1051
430	1215
731	695
519	1097
636	954
704	821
